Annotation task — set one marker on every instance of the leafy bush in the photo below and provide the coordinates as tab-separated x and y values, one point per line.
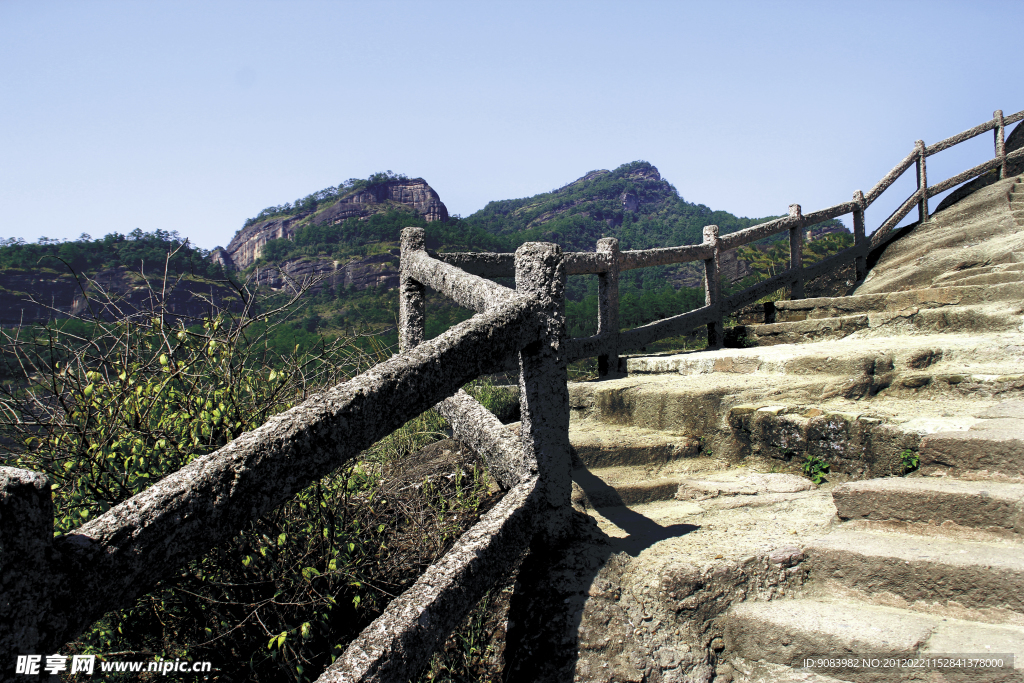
107	409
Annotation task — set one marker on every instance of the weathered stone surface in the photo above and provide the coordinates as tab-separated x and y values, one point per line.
784	631
38	296
735	484
26	535
993	451
977	232
1014	141
600	444
928	569
978	504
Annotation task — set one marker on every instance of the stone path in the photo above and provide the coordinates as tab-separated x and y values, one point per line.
720	562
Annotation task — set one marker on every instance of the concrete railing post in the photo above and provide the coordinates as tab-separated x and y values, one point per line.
608	306
26	537
543	385
713	288
922	183
796	253
859	238
1000	133
411	294
540	642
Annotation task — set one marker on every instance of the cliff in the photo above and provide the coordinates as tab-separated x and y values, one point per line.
247	244
366	272
38	296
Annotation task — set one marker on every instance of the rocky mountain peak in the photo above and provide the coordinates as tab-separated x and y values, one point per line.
247	244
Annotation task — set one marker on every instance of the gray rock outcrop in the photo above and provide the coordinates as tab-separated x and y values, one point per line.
378	270
247	244
39	296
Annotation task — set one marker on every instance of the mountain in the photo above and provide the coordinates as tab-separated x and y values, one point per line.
347	237
633	203
351	236
352	199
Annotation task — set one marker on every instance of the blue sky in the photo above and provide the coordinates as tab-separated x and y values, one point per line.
193	116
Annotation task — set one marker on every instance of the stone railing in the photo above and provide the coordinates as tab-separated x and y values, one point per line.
607	262
51	589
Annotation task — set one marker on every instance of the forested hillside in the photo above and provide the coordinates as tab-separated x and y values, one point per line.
344	241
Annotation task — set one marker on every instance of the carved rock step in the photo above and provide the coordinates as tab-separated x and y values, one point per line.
939	353
893	302
922	570
970	277
801	331
693	405
602	444
786	631
1015	266
947	319
985	453
985	505
617	486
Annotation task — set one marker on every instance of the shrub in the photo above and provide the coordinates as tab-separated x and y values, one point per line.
106	409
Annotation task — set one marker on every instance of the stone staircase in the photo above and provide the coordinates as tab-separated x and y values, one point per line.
725	564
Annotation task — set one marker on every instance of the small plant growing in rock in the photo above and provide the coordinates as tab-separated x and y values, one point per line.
910	460
815	468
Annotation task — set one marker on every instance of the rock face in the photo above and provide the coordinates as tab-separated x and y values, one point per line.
378	270
247	244
39	296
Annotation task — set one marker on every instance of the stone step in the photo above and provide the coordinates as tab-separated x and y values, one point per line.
788	631
894	302
812	330
622	486
976	453
611	487
948	319
991	448
994	278
989	506
631	486
926	571
952	278
942	354
604	444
